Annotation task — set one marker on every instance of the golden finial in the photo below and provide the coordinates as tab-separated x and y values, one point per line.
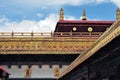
61	17
84	15
118	14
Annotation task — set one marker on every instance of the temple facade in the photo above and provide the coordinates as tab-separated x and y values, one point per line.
35	55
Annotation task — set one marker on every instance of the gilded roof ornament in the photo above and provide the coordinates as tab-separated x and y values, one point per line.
118	14
61	16
84	15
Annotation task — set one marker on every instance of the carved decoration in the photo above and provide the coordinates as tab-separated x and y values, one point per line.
44	46
57	72
27	72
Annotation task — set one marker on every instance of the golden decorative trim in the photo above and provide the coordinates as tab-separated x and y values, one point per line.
90	29
45	45
74	28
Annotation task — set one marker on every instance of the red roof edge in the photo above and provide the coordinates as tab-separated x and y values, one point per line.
86	21
1	68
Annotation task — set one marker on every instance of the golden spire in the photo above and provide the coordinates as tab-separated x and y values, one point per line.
61	17
118	14
84	15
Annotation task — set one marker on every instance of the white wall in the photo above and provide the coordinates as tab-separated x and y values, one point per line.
44	72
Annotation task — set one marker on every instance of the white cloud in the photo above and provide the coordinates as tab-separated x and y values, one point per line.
32	5
43	3
102	1
40	15
23	26
67	17
49	23
46	25
117	2
3	19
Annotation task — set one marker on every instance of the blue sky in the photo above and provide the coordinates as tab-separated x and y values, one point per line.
42	16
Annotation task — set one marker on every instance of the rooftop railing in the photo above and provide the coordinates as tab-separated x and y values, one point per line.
50	34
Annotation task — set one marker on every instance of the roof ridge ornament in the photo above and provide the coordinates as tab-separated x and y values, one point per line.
61	16
118	14
84	15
